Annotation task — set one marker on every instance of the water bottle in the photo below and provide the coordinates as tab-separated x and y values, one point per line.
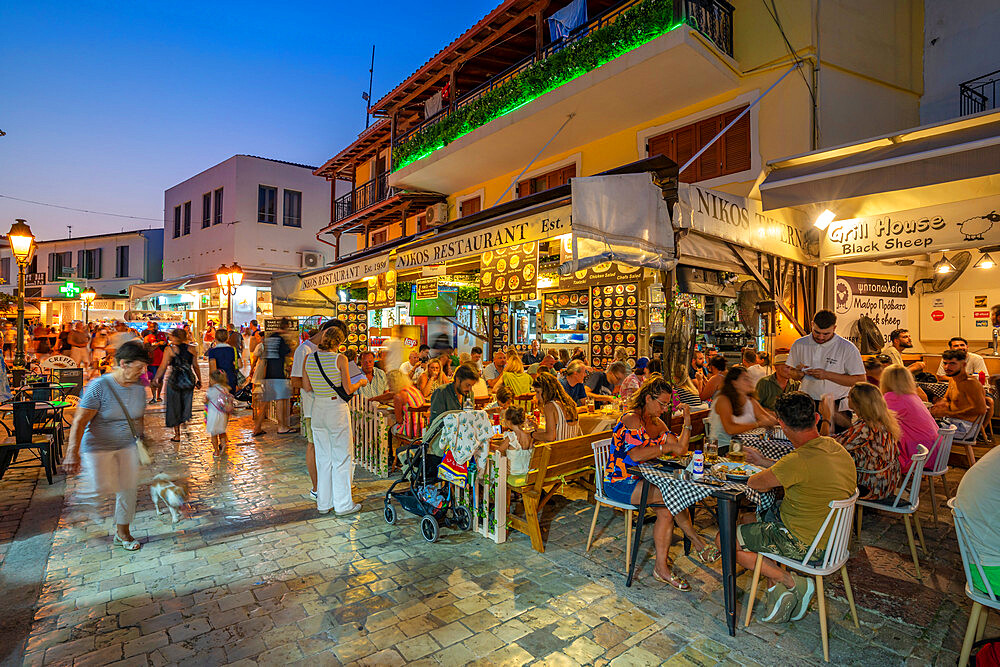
698	462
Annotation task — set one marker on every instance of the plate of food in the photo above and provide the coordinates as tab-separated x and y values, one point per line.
735	472
515	261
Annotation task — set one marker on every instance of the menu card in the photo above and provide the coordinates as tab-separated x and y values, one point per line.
510	273
355	315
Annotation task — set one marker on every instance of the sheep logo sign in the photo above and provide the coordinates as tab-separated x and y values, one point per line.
976	227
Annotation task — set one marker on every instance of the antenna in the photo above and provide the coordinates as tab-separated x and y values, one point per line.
70	228
367	97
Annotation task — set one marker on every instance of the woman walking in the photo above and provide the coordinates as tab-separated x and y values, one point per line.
325	371
184	378
101	442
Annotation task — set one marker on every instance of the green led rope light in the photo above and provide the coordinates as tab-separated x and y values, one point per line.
634	27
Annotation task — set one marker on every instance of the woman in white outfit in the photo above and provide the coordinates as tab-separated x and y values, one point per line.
331	421
101	441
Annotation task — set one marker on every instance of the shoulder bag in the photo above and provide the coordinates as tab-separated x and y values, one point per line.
144	456
181	376
344	396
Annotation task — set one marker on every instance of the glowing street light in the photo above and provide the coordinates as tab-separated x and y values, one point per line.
229	279
87	296
22	242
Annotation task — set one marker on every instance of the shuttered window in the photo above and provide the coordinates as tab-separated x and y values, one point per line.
470	206
729	155
547	181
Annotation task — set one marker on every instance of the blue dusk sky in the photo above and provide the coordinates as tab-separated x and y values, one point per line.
107	104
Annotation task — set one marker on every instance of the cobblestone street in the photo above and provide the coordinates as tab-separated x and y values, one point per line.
256	576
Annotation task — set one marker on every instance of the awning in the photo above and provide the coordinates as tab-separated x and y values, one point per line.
925	156
143	290
30	310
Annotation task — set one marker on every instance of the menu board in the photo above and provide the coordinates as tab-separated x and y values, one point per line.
355	315
499	326
607	273
511	273
274	324
561	300
382	291
427	288
614	321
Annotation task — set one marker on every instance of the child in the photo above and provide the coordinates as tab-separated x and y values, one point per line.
218	406
515	437
504	400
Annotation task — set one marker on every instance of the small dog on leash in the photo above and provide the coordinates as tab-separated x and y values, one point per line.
174	496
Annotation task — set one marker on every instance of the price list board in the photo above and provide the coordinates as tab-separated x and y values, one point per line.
614	321
355	315
509	273
382	291
608	273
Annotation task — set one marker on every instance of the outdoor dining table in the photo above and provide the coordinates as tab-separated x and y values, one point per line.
9	407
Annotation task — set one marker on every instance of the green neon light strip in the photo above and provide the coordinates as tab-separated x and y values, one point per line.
634	27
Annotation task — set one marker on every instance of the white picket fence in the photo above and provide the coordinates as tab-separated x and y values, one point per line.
488	500
371	434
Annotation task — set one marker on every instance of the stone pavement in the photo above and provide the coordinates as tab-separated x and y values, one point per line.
256	576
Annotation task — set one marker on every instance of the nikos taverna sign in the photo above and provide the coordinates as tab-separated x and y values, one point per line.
966	224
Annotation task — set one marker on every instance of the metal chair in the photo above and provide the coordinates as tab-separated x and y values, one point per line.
938	455
23	436
982	601
602	452
905	507
835	558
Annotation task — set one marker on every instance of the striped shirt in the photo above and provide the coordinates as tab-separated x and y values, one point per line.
321	388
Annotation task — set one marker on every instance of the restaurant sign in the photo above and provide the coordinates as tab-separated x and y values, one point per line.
348	273
881	298
963	224
535	227
742	221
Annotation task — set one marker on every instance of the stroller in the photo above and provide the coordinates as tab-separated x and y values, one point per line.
421	495
245	393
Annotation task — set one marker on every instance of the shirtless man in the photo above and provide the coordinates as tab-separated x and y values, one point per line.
965	400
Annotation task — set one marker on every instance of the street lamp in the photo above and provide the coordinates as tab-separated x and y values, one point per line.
22	242
229	278
87	296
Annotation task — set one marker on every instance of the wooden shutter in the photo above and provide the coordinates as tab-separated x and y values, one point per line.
730	154
708	164
736	156
662	144
470	206
685	145
81	264
52	267
96	268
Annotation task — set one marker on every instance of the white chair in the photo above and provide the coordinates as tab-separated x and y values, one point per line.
981	602
970	440
905	507
839	521
938	455
602	452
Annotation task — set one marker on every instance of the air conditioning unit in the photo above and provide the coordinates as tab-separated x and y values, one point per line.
437	214
312	260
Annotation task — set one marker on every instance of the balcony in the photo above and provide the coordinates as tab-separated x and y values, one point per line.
375	204
365	195
613	33
979	94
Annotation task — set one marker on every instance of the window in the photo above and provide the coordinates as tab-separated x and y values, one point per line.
88	263
422	222
292	211
470	206
218	207
380	237
60	265
177	221
729	155
121	261
267	203
5	270
33	265
206	210
547	181
187	218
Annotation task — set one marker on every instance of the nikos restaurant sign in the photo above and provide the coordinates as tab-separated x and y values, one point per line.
967	224
742	221
348	273
537	227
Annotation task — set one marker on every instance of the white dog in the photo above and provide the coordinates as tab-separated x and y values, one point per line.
172	495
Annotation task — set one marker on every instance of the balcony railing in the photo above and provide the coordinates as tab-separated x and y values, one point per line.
363	196
712	18
979	94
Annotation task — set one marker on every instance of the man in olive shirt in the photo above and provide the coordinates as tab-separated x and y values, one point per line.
776	384
817	472
452	395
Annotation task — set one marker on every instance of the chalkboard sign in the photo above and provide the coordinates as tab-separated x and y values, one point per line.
67	375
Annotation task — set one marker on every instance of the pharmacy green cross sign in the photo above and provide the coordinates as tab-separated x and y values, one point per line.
69	289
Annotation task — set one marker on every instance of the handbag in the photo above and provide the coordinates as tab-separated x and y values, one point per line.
344	396
144	456
240	378
451	471
181	377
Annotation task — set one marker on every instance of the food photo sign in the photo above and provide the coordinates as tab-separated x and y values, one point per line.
509	273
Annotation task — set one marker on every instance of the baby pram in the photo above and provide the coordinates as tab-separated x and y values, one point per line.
244	394
419	492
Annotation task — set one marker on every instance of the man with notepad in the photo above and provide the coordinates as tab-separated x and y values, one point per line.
827	363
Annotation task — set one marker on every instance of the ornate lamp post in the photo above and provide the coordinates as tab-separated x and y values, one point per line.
229	278
22	242
87	296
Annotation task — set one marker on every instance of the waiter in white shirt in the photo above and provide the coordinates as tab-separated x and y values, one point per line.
826	363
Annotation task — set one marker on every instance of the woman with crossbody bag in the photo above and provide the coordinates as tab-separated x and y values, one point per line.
184	378
326	375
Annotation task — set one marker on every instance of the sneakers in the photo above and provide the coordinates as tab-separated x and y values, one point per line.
779	604
312	494
804	589
353	510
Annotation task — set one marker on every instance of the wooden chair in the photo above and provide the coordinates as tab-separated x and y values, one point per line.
834	558
553	465
982	600
24	437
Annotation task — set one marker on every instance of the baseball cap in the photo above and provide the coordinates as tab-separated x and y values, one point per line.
780	359
641	363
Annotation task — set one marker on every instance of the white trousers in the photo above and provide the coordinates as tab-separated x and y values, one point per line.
331	431
107	472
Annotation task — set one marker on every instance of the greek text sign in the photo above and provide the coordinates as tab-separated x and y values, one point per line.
742	221
348	273
539	226
882	298
969	223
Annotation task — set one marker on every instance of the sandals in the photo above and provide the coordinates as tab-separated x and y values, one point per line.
256	433
291	430
709	554
127	545
675	580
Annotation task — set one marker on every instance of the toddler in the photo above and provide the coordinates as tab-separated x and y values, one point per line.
218	406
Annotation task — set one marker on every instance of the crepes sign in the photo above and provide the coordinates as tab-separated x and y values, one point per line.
348	273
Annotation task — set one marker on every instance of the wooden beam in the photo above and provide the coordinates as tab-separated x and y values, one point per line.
768	287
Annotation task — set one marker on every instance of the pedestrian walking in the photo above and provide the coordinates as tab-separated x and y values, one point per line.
101	441
277	386
79	342
184	378
218	406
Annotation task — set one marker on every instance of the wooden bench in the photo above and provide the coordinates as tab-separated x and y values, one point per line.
553	464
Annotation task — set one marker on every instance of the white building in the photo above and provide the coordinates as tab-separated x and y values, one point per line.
60	269
260	213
